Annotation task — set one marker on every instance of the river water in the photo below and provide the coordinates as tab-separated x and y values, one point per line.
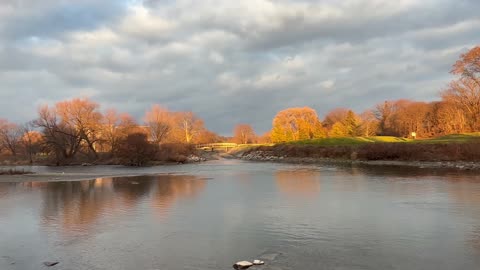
210	215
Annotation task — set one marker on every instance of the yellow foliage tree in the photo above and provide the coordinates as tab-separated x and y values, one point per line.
296	124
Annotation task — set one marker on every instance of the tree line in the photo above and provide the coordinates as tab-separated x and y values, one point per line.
79	128
458	111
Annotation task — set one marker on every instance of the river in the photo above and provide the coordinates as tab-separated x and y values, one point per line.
210	215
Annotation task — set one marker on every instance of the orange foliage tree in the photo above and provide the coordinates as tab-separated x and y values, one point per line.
464	93
83	116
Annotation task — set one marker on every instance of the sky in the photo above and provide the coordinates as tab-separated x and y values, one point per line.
229	61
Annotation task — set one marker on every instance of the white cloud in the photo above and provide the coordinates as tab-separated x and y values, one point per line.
328	84
216	58
251	58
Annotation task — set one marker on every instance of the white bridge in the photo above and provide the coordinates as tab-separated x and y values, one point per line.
216	146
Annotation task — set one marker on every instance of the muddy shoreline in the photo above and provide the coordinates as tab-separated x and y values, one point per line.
63	177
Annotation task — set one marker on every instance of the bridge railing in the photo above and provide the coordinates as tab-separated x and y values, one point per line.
216	145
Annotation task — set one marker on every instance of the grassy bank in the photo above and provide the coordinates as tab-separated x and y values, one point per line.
456	138
462	147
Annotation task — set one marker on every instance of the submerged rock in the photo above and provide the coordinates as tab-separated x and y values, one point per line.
50	264
242	265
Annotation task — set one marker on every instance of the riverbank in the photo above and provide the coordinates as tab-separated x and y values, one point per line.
433	156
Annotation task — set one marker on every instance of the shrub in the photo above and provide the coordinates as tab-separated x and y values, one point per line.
136	150
176	152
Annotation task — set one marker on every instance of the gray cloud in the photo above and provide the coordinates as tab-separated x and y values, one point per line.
229	61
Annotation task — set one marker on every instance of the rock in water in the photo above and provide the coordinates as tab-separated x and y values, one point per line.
50	264
258	262
242	265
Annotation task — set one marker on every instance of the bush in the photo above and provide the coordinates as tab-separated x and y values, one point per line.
136	150
175	152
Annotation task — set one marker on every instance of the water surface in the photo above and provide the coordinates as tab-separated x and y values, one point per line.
207	216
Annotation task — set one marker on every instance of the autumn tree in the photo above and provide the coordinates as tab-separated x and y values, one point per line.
296	124
116	127
338	130
188	126
265	138
352	124
468	66
10	136
31	141
464	92
61	139
444	117
207	136
334	116
243	134
410	116
369	123
342	122
83	116
159	122
384	113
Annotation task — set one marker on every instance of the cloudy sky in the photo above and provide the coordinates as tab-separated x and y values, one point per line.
229	61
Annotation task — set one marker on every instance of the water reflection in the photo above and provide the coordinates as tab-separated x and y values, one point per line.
170	189
364	218
76	206
298	183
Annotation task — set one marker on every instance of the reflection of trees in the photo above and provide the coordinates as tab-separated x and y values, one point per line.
132	188
74	206
298	182
171	188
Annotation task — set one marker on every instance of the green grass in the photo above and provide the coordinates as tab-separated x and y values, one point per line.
349	141
454	138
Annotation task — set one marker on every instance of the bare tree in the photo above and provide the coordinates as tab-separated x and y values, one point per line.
243	134
369	123
31	140
83	116
465	94
116	127
10	136
159	123
61	139
189	125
